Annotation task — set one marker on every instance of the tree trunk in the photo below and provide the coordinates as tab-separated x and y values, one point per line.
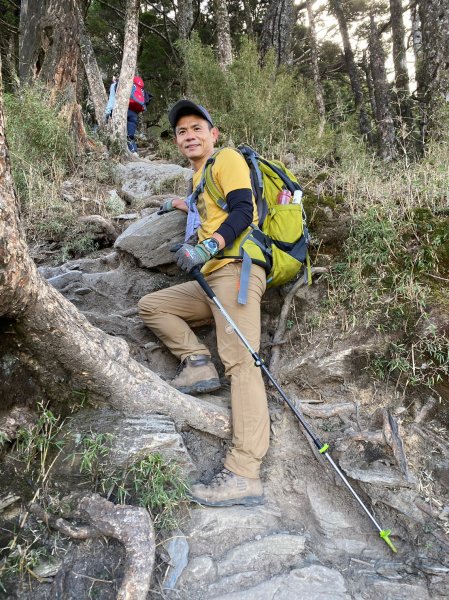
223	29
385	127
127	71
248	18
369	83
416	34
94	79
57	335
319	94
185	18
364	123
433	69
277	30
401	77
49	53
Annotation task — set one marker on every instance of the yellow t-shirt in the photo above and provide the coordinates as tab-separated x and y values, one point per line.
230	172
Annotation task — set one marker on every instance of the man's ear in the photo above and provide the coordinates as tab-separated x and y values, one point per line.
215	133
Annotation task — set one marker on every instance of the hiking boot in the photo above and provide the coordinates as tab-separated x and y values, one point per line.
196	375
227	489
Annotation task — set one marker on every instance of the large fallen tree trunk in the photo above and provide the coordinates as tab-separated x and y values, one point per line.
57	334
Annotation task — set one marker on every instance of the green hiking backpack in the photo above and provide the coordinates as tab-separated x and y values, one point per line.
282	233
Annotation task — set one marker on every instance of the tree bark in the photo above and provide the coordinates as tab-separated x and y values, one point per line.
223	29
185	18
401	77
248	18
277	30
94	79
369	83
385	126
127	71
364	123
49	52
433	68
319	94
58	335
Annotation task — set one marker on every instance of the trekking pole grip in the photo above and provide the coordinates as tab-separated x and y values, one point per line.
196	274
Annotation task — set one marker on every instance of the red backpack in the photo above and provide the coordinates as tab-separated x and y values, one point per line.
137	98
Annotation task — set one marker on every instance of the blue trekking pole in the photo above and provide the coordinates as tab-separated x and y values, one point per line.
322	448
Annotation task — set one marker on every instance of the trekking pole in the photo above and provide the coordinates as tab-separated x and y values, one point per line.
322	448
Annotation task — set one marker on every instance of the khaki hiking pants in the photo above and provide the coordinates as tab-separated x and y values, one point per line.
169	313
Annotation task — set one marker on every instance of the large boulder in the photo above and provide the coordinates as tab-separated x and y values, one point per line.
149	240
139	180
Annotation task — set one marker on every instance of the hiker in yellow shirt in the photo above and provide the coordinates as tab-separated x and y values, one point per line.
171	312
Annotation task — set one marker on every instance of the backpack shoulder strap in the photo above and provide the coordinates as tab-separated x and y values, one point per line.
252	160
208	182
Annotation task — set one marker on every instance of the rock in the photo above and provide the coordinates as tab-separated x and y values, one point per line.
126	217
340	524
233	525
256	560
402	500
133	438
178	551
103	228
142	179
390	590
149	239
315	582
271	554
200	571
114	203
61	281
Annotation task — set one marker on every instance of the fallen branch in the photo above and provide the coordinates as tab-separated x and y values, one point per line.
130	525
278	337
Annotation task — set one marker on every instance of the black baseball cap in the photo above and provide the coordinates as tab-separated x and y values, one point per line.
187	107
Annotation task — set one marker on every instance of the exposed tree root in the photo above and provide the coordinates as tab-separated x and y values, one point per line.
130	525
278	338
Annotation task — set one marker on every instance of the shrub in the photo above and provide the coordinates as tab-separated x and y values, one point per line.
259	105
42	151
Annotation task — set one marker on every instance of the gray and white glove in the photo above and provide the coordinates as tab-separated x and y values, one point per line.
191	257
166	206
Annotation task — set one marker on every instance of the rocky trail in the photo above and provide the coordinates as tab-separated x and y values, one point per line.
310	540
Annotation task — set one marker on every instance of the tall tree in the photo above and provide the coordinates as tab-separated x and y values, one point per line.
364	122
401	76
319	94
49	52
94	79
277	30
185	18
223	30
128	68
385	127
433	68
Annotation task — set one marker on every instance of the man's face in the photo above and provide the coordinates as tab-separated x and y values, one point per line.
194	138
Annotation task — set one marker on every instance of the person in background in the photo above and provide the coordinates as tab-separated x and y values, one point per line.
138	102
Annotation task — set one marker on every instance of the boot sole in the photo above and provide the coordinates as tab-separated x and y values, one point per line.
201	387
246	501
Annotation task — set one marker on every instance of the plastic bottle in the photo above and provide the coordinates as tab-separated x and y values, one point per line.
284	197
297	197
